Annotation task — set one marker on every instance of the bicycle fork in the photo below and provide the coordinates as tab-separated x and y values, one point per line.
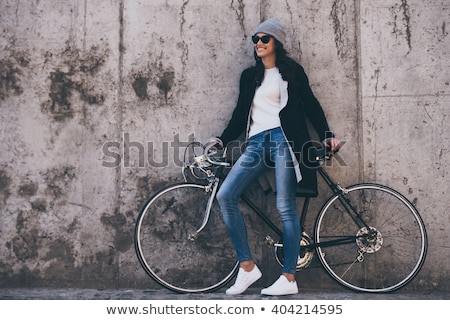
211	187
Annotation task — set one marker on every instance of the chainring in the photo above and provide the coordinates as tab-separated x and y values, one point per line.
305	257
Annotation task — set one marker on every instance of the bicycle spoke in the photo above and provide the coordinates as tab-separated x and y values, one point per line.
179	246
390	250
348	268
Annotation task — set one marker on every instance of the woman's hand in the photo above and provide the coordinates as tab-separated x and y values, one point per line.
333	144
216	143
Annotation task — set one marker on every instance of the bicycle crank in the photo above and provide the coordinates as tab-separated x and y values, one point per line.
304	258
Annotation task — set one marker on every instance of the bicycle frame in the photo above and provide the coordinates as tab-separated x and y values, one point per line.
321	156
336	189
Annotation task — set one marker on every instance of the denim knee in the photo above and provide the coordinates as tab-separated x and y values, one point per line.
221	196
287	209
225	198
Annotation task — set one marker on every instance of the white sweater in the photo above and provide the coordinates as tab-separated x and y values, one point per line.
266	103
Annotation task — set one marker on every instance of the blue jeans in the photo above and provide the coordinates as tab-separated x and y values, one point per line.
264	150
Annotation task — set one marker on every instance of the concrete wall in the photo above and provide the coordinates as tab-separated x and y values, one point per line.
76	76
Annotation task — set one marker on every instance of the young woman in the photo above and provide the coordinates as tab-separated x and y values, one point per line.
275	100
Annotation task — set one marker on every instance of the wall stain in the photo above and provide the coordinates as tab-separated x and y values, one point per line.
41	254
143	189
62	251
82	67
57	180
5	183
61	87
61	257
338	13
183	45
28	189
39	205
140	85
26	243
120	224
240	14
100	268
182	11
74	225
294	22
406	19
405	29
376	76
156	76
11	73
165	83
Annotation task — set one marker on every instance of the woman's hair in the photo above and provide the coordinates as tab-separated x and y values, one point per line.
283	62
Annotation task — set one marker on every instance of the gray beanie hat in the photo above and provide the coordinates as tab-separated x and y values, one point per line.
274	28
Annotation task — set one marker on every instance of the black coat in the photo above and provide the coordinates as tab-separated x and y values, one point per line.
301	105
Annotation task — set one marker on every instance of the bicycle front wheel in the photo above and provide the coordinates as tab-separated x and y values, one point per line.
386	251
172	252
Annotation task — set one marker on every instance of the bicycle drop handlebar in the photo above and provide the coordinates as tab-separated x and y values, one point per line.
207	154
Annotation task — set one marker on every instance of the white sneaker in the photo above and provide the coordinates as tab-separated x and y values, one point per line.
244	280
281	287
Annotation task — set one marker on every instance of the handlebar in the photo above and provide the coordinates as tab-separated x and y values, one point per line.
318	154
207	156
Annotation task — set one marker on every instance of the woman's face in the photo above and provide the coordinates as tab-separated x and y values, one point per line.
264	50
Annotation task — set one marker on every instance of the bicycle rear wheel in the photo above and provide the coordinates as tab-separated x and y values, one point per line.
384	262
169	249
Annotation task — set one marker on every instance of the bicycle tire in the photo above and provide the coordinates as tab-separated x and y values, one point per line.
165	250
381	265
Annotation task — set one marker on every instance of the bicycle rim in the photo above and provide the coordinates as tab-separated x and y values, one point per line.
385	263
167	250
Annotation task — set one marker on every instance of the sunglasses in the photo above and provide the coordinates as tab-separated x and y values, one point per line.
264	39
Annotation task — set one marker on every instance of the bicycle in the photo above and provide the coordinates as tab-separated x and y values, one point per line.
368	237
